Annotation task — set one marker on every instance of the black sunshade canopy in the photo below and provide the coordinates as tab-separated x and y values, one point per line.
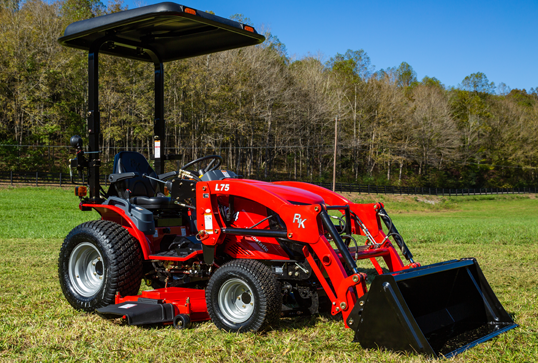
170	30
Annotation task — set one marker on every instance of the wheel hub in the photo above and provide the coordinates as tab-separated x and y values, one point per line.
236	300
86	269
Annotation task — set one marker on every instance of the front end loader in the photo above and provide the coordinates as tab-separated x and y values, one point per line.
239	252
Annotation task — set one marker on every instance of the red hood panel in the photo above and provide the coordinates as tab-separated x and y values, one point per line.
291	194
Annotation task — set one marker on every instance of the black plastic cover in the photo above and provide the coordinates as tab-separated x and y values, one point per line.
164	28
218	175
141	312
438	310
184	246
141	217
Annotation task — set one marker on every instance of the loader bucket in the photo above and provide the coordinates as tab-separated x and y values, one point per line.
437	310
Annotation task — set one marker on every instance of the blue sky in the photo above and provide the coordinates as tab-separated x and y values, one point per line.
444	39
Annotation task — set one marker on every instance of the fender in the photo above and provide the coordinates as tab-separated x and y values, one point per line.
115	214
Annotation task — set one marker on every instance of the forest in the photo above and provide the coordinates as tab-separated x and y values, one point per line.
269	115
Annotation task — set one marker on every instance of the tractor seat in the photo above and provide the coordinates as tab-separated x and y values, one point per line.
141	191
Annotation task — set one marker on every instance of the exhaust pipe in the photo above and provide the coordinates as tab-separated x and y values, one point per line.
439	310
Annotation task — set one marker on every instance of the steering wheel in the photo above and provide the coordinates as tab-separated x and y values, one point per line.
209	166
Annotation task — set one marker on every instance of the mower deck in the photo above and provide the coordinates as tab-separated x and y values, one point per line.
158	306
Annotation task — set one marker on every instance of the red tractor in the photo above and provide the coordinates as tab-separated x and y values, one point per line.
242	253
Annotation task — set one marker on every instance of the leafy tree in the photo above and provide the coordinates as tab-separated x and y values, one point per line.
10	5
405	74
503	89
356	62
75	10
240	18
432	82
478	82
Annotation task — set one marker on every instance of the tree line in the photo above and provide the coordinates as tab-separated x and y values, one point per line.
269	115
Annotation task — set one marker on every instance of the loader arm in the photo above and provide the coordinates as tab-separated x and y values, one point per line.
366	222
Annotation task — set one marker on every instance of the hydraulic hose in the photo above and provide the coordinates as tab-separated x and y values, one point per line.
395	234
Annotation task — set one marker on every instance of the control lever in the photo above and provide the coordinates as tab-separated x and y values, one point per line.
167	184
113	178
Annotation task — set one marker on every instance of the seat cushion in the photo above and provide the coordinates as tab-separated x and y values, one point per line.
153	202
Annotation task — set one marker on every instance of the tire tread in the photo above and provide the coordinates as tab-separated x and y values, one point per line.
270	302
124	272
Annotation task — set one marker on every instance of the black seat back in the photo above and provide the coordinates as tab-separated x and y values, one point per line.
131	161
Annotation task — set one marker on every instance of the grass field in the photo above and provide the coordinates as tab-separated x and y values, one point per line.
37	324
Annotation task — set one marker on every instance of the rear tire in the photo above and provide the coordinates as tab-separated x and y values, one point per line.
98	259
244	295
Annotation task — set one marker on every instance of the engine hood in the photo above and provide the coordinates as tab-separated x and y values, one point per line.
291	194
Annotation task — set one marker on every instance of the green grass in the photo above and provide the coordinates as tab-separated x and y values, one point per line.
37	324
40	212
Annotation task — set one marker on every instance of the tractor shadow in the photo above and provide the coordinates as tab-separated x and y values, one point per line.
306	321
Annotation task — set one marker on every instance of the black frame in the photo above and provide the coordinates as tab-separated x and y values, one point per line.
94	116
129	34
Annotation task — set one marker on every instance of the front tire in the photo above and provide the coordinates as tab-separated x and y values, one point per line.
243	295
98	259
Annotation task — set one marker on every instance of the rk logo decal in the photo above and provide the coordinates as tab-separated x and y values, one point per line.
300	222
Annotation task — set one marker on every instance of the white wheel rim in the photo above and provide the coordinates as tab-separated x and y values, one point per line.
86	269
236	300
